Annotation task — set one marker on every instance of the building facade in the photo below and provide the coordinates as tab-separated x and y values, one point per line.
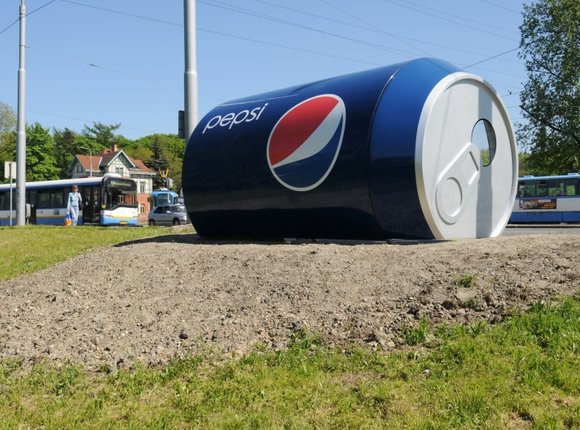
115	160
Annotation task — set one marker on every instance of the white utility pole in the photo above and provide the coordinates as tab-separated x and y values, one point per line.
21	132
191	116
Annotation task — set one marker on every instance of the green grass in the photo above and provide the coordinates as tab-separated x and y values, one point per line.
466	281
523	374
31	248
416	335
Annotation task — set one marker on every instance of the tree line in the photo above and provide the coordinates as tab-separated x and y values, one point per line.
50	153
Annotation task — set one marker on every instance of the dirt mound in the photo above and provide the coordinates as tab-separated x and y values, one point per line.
156	299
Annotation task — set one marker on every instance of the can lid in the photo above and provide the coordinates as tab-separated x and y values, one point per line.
466	161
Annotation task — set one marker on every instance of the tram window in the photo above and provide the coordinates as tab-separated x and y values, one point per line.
4	204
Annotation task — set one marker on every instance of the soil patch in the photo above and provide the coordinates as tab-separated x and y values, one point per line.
153	300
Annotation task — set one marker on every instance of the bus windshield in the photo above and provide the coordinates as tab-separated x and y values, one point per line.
163	198
120	192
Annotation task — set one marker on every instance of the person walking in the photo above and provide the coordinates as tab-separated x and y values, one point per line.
74	203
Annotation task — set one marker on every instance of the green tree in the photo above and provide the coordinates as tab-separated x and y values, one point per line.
550	100
7	118
524	164
139	152
64	150
175	167
103	134
158	163
40	160
7	133
170	146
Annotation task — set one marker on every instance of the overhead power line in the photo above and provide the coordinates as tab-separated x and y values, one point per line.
219	4
367	27
105	68
227	6
118	12
484	25
454	21
492	57
9	26
237	9
28	14
373	27
501	6
309	51
512	93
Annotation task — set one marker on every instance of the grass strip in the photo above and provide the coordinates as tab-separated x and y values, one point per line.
30	248
521	374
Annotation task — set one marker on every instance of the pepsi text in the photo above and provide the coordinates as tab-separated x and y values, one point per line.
230	119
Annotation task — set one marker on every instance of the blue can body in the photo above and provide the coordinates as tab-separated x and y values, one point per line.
361	185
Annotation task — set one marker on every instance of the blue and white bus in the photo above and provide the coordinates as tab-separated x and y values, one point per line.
107	200
164	197
547	199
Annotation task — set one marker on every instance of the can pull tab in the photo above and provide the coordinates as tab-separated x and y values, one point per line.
457	183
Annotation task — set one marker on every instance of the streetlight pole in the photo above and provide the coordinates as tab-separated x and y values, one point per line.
90	162
21	132
190	78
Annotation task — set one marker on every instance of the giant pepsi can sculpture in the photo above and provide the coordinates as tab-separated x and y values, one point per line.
413	150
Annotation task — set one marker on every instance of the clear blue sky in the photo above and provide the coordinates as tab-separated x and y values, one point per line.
122	61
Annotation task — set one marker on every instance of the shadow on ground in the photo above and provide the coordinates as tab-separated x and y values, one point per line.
195	239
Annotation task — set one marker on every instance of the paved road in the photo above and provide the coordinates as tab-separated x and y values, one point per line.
552	229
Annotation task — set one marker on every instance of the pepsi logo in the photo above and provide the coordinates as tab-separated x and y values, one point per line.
305	142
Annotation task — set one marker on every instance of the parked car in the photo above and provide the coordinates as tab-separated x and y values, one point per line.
168	215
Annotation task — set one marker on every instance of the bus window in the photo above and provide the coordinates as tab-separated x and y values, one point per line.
527	190
122	198
570	188
553	188
130	199
58	200
96	197
4	201
31	197
85	194
163	198
43	199
542	189
120	192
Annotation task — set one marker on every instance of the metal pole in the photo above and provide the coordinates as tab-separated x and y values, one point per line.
190	76
21	132
90	163
11	190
